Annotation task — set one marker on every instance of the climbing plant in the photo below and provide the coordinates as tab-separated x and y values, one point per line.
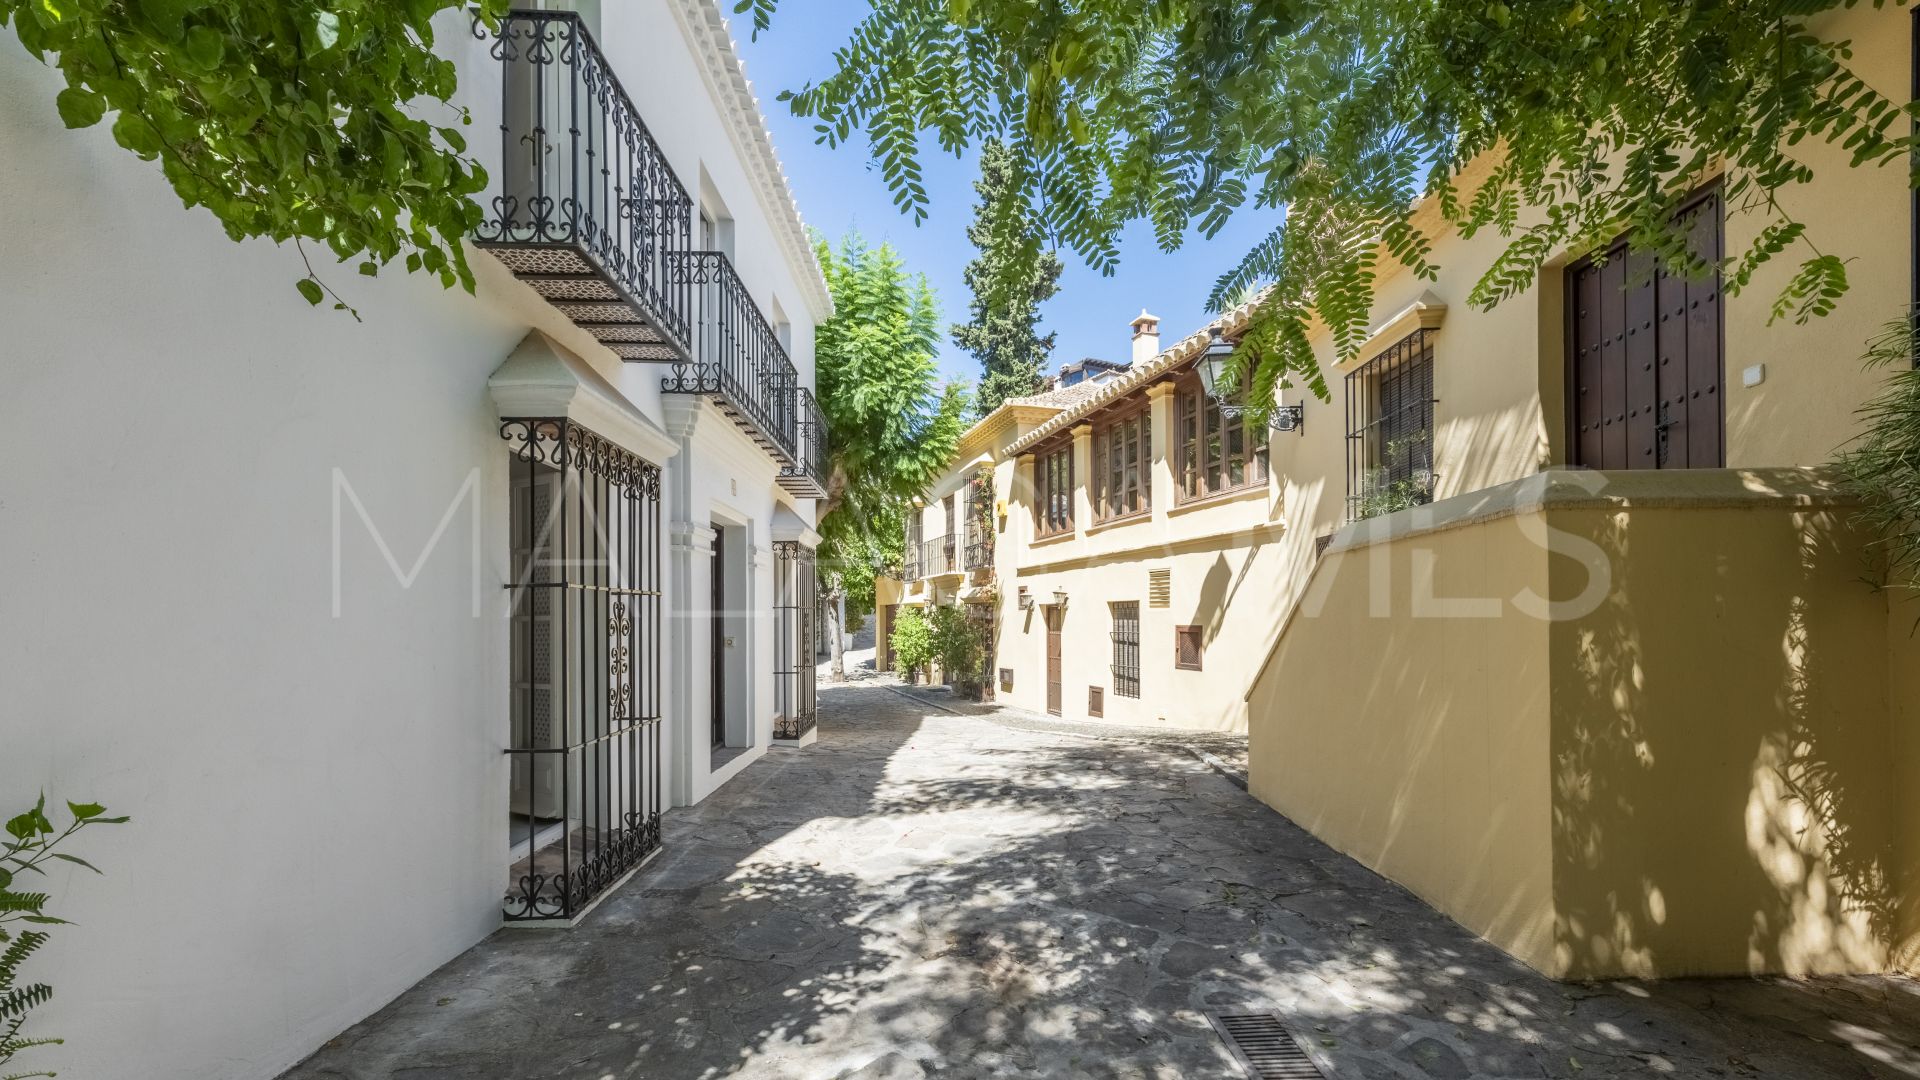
1554	124
330	122
28	849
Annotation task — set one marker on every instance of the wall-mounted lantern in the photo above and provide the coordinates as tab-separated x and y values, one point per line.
1060	598
1213	378
1026	599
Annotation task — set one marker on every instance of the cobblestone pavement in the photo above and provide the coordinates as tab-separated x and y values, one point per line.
924	894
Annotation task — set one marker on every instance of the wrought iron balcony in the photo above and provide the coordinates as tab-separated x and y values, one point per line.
738	362
939	556
979	554
590	213
806	475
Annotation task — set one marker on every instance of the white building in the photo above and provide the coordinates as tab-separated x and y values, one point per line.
372	625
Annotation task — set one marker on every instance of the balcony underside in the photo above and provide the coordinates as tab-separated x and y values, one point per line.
577	288
801	485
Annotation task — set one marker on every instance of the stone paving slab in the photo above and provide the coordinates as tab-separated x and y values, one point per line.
923	894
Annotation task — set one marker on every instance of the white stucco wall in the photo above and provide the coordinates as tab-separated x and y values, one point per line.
319	802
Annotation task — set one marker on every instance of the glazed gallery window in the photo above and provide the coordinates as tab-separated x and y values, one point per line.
1213	454
1123	467
1053	491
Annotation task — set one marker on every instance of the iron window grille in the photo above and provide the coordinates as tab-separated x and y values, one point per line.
916	567
796	594
1126	648
1214	453
1189	647
1123	467
982	618
937	557
590	212
584	748
1390	429
1053	491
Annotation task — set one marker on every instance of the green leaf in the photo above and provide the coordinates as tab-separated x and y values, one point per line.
326	29
206	46
310	289
83	811
80	108
77	860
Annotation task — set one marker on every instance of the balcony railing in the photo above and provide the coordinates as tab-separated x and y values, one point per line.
590	213
592	216
938	556
980	554
806	476
740	363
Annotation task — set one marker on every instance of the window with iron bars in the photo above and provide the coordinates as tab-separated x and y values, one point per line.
1126	648
584	752
1390	429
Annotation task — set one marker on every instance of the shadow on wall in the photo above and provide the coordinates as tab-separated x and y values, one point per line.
1723	789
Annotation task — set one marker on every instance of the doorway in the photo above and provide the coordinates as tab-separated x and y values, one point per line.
718	639
1056	616
1645	355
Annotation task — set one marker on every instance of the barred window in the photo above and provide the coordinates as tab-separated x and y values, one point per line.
1123	467
1390	429
1213	454
1053	491
1126	648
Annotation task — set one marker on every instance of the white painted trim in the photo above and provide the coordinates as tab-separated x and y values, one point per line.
539	378
726	77
789	526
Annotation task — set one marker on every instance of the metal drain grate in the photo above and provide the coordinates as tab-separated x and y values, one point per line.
1264	1047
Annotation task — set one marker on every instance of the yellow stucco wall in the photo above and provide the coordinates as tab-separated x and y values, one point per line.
1419	745
1695	773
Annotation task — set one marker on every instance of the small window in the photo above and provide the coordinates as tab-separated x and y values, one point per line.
1126	648
1390	429
1123	467
1053	491
1188	643
1213	454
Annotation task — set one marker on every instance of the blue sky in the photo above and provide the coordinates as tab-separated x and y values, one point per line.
840	189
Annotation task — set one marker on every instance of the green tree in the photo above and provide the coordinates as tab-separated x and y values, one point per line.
294	120
914	645
891	425
1009	281
1597	115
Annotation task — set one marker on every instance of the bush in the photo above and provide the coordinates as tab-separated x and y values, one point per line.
957	643
912	640
1882	465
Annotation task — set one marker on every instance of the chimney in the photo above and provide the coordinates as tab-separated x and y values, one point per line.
1146	337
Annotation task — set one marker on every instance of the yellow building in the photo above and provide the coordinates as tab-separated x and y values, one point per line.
1549	613
1589	656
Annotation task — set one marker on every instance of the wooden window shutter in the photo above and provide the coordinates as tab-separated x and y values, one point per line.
1189	643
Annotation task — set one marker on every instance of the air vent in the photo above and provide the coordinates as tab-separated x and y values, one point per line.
1096	701
1160	588
1264	1047
1321	543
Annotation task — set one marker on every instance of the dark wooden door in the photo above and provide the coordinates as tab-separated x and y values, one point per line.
1054	619
1646	362
719	637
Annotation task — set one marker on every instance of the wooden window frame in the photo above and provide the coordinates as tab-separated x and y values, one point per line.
1053	480
1122	486
1195	419
1199	637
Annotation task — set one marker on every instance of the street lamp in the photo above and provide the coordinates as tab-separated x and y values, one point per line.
1226	398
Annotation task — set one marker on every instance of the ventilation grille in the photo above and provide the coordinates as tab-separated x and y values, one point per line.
1321	543
1189	642
1096	701
1264	1047
1160	588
